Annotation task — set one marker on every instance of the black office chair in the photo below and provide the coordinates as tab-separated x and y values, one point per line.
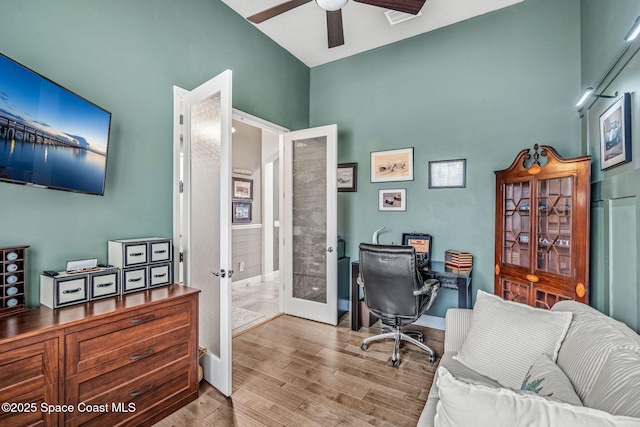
395	291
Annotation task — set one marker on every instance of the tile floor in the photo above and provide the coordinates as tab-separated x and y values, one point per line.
262	297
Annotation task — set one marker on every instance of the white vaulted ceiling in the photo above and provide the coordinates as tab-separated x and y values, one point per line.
303	30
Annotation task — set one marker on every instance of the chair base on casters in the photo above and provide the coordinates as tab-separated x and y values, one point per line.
398	335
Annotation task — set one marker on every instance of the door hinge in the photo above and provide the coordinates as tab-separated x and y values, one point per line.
181	187
181	256
181	119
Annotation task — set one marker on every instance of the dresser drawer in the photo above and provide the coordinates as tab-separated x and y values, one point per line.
160	251
29	413
159	275
148	399
96	388
121	341
134	280
104	285
27	368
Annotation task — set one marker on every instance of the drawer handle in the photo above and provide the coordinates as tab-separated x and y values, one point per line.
142	320
140	356
134	280
159	275
104	285
71	291
137	254
163	251
138	393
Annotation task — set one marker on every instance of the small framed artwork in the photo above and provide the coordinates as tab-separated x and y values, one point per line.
392	165
615	133
392	200
448	173
241	212
242	188
347	177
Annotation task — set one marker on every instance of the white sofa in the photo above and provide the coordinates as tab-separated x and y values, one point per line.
599	356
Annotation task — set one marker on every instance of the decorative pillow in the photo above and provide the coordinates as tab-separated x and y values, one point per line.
547	379
463	404
588	342
505	338
617	389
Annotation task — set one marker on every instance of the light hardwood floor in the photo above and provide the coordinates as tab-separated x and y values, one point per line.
295	372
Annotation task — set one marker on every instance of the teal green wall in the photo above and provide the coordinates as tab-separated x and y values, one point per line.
616	192
126	56
482	90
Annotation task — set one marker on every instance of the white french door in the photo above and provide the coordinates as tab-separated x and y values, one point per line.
310	224
205	218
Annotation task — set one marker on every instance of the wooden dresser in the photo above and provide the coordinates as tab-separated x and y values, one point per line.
130	360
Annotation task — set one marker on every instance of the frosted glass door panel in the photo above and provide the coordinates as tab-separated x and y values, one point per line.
207	226
310	219
204	235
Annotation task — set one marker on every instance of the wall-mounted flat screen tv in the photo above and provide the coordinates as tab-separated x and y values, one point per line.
49	136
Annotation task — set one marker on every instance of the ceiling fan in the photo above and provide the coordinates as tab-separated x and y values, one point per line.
334	13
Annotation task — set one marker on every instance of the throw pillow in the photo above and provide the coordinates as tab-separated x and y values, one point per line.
506	337
463	404
617	388
547	379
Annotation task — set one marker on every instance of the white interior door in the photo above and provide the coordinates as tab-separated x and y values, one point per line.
310	224
206	216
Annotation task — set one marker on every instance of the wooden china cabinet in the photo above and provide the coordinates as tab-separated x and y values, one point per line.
542	228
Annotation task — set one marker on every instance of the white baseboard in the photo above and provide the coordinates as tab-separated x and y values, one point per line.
430	322
257	279
271	276
248	281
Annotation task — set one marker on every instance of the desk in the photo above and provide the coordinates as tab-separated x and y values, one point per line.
448	280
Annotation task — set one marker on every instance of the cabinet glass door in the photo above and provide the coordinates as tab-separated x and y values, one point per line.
553	249
515	241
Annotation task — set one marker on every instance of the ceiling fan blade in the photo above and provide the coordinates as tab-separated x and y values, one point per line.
334	28
276	10
406	6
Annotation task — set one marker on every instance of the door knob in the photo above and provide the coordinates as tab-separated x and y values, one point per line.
330	249
222	273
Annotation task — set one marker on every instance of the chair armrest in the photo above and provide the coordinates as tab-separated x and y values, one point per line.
429	285
457	322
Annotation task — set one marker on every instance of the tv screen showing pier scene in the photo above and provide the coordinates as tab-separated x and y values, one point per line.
49	136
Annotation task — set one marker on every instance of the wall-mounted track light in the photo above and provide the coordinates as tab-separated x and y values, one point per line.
587	92
634	31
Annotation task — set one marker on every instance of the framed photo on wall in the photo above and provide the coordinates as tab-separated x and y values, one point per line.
242	188
392	200
392	165
615	133
347	177
448	173
241	212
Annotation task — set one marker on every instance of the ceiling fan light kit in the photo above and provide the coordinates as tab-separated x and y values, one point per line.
333	8
331	5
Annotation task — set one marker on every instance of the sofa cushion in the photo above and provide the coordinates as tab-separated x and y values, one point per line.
505	338
547	379
589	340
463	404
617	388
458	370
